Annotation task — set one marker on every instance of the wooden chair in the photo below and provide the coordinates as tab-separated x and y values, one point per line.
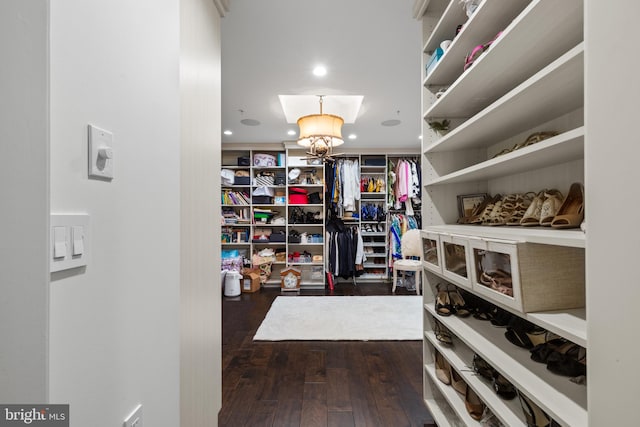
410	246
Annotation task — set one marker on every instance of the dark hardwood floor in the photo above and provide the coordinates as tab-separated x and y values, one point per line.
316	383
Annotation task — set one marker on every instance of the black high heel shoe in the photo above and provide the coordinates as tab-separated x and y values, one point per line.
535	416
442	335
569	360
503	387
459	306
482	368
443	303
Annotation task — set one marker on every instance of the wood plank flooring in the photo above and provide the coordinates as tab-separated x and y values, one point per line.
316	383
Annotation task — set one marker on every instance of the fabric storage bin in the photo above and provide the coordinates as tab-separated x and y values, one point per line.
431	258
264	160
278	236
262	200
298	196
455	259
241	180
280	178
528	277
264	179
315	198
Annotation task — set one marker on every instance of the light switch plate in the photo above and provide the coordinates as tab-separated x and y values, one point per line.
100	153
71	233
135	418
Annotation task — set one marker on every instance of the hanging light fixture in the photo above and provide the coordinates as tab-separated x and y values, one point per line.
320	133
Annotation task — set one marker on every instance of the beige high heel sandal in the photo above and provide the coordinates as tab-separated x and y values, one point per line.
532	215
571	213
550	206
443	369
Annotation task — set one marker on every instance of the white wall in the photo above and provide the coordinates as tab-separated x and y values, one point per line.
612	204
24	201
114	328
201	364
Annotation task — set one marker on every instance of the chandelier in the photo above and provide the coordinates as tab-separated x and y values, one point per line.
320	133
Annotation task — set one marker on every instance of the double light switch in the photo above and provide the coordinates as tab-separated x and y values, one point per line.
69	241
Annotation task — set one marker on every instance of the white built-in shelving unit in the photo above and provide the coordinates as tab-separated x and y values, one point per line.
530	79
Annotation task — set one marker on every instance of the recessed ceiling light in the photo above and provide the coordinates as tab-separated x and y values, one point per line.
291	132
249	122
353	136
320	71
228	132
392	122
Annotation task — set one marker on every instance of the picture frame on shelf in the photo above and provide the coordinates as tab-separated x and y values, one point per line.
468	203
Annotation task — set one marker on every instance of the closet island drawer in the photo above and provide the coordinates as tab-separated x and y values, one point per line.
528	277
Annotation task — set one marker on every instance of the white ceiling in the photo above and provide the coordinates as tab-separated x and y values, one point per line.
369	47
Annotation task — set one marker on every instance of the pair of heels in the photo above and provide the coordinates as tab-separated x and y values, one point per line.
441	333
483	213
501	385
531	139
525	334
543	208
534	415
562	357
473	404
498	280
450	302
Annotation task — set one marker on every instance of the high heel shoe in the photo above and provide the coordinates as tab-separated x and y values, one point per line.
443	303
541	352
550	206
443	369
458	383
571	213
503	387
535	416
459	306
522	205
570	361
475	406
482	368
532	216
484	214
442	335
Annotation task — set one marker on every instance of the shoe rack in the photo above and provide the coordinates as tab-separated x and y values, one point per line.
530	79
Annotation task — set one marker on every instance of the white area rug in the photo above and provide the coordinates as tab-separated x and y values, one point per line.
334	318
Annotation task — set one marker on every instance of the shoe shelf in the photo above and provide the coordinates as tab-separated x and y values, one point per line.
455	400
375	255
543	235
489	18
564	401
552	92
547	28
571	324
306	244
461	359
556	150
440	411
375	244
